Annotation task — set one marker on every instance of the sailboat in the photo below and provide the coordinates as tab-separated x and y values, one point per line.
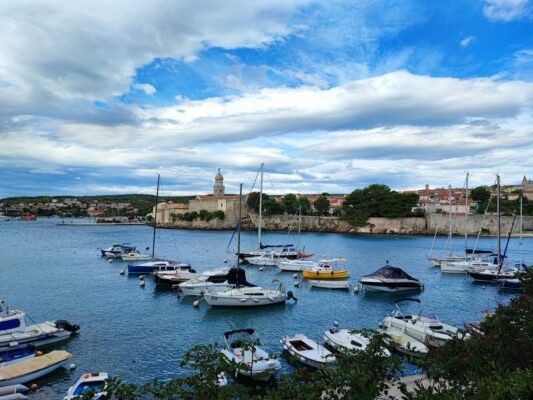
248	296
288	251
156	264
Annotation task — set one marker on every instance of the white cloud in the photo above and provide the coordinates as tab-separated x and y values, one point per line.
507	10
146	88
467	41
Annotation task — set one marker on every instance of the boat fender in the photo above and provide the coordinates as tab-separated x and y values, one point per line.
290	295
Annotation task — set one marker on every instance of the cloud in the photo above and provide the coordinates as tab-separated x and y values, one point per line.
507	10
467	41
146	88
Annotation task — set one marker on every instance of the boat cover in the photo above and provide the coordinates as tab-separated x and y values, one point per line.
33	365
237	276
389	272
249	331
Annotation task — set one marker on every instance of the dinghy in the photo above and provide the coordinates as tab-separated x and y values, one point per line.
390	279
252	360
307	351
95	382
426	328
35	368
330	284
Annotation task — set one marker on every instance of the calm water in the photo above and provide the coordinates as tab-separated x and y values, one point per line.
55	272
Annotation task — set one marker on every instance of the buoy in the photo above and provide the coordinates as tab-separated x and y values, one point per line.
261	268
38	353
109	260
296	283
34	386
141	277
196	303
356	289
483	287
295	276
122	271
72	366
141	283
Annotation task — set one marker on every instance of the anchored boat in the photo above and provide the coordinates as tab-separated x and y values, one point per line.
250	296
118	250
219	280
35	368
325	270
15	355
307	351
252	360
390	279
174	277
330	284
343	339
95	382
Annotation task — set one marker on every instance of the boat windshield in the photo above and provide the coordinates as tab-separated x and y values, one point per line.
87	387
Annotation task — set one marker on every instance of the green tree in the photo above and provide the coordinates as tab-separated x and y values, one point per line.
304	204
480	194
322	205
273	207
290	201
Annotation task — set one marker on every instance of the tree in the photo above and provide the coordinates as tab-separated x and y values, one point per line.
290	201
480	194
273	207
304	204
322	205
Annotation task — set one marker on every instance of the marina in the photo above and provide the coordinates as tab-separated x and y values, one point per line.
120	319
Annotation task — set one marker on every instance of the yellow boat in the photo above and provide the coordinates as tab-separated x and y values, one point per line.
325	271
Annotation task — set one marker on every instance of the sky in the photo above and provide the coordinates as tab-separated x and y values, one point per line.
99	97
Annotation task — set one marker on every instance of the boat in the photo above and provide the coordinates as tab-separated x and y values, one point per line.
135	255
181	274
510	284
325	271
404	343
219	280
252	361
426	328
343	339
13	392
493	275
307	351
15	355
94	383
35	368
117	250
28	217
249	296
465	265
390	279
158	265
266	260
297	265
14	333
329	284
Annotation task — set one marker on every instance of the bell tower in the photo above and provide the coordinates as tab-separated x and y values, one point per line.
218	189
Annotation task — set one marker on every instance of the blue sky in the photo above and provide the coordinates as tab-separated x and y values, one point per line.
331	96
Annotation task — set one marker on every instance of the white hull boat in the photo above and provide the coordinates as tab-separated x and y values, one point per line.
425	328
307	351
252	360
135	256
463	266
265	261
390	279
94	382
117	250
175	277
404	343
343	339
297	265
216	281
249	297
29	370
329	284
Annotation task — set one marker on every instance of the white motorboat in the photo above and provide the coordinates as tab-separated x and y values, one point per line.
135	255
15	333
404	343
329	284
390	279
249	296
493	275
35	368
252	360
343	339
218	280
94	382
297	265
117	250
465	265
307	351
426	328
157	265
268	260
181	274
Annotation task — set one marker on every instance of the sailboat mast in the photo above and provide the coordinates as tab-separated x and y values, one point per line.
260	208
467	210
155	216
521	229
239	230
450	216
299	226
499	217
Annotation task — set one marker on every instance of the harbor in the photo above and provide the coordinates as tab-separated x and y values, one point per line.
141	333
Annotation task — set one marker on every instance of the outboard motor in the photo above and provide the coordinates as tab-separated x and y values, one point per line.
64	324
290	295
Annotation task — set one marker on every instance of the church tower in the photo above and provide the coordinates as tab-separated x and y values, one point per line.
218	189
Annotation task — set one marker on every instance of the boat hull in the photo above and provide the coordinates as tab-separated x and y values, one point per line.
218	300
40	370
390	286
36	335
330	284
307	274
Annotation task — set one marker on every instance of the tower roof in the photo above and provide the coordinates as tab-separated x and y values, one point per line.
219	176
